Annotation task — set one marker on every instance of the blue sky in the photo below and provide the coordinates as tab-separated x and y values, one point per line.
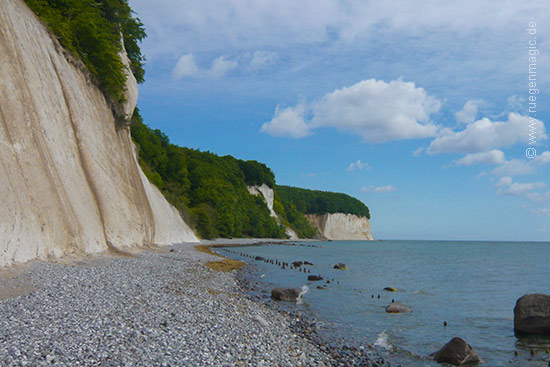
417	108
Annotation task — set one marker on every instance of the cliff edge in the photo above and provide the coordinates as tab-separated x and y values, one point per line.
340	226
69	179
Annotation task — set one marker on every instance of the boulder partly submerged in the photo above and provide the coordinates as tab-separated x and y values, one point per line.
341	266
396	308
285	294
532	315
457	352
313	278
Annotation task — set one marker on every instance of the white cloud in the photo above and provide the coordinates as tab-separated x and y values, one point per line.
528	190
185	67
387	188
543	158
222	65
517	167
358	166
491	157
288	122
516	103
173	24
504	181
375	110
261	59
418	152
378	111
514	167
468	113
484	135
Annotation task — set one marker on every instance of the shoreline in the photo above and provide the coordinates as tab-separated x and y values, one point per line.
304	324
119	296
160	307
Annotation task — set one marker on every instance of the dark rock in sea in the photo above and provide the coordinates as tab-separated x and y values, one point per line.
285	294
340	266
297	264
396	308
320	287
259	258
314	277
307	263
457	352
390	289
532	315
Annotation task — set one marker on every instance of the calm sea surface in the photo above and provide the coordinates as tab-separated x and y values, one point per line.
471	285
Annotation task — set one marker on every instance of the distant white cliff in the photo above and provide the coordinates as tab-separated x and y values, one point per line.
340	226
69	179
268	195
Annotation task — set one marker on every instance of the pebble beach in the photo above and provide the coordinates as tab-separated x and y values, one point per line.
156	308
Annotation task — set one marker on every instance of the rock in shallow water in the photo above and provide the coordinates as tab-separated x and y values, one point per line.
285	294
457	352
532	314
341	266
314	277
396	308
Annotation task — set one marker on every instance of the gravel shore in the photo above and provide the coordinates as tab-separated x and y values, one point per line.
162	308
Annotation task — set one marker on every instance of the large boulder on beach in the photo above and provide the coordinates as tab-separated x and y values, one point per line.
532	314
314	277
396	308
285	294
457	352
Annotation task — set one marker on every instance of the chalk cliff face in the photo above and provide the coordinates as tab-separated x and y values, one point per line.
69	180
268	195
340	226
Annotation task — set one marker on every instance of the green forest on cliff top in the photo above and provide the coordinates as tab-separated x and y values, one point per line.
209	191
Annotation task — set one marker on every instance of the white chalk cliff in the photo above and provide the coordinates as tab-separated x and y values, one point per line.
340	226
69	179
268	195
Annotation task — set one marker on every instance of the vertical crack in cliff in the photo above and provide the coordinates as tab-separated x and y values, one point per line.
136	178
81	156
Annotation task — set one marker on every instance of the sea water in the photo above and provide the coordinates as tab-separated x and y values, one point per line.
473	286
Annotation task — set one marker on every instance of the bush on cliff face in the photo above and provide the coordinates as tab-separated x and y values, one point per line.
91	29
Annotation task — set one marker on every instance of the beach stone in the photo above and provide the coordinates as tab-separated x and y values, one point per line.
532	314
285	294
396	308
340	266
390	289
457	352
314	277
297	264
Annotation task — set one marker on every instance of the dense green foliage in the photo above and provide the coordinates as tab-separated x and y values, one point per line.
291	217
320	202
210	191
92	30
